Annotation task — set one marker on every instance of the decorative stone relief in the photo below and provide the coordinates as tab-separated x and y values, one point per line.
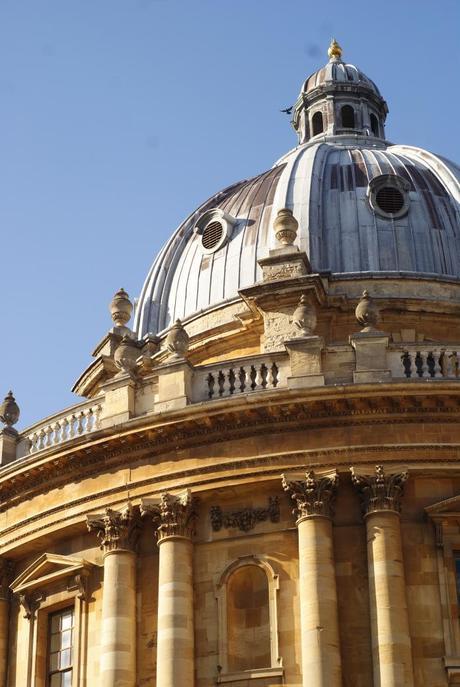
173	515
245	519
313	495
31	603
380	492
116	530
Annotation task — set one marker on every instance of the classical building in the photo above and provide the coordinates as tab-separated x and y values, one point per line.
262	484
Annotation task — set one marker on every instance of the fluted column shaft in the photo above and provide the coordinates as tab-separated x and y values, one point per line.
117	531
174	517
391	643
321	661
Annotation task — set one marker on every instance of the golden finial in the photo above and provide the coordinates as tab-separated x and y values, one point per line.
334	50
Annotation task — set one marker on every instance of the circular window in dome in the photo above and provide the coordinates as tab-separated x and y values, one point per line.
212	235
214	228
388	196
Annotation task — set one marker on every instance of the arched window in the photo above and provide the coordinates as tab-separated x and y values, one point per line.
348	117
317	123
248	619
374	124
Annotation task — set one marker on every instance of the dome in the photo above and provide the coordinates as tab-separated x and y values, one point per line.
363	205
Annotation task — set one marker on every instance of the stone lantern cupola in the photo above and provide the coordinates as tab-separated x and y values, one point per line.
339	100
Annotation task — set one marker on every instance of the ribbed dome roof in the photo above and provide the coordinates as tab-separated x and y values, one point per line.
338	72
326	184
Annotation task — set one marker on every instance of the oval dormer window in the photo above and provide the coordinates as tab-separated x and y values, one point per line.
214	228
388	196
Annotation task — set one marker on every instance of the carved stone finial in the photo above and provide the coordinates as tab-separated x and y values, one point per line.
121	308
312	496
177	341
380	492
126	354
304	317
173	515
285	226
116	530
366	312
9	410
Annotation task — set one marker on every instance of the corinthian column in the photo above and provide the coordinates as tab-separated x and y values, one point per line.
313	498
117	531
391	645
174	518
5	575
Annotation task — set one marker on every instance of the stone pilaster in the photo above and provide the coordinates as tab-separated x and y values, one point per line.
174	518
313	497
391	644
5	579
117	532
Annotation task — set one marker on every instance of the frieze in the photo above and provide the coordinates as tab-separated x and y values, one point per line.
245	519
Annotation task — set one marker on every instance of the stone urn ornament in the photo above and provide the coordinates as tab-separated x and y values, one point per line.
9	411
177	340
285	226
121	308
367	312
126	355
304	317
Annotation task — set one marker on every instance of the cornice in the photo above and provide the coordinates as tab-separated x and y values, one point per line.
251	415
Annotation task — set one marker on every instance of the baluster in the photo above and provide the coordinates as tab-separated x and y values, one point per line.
263	376
97	416
79	427
41	440
274	375
444	363
419	364
407	363
210	382
33	443
242	379
221	383
231	381
253	377
454	364
56	437
64	429
49	436
431	364
72	424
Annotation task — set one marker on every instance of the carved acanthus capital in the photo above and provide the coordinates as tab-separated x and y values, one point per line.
380	491
173	515
314	495
116	530
6	576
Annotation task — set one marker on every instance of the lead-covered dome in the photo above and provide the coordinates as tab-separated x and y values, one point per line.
363	206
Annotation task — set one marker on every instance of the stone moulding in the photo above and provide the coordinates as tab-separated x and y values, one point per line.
245	519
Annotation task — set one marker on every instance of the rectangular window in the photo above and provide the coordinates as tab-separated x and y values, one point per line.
60	633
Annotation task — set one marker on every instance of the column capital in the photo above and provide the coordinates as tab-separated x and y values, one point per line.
380	492
314	495
6	576
173	515
116	530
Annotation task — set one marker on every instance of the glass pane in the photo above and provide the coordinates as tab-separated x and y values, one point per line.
54	661
65	658
66	639
55	642
67	679
55	680
67	620
55	620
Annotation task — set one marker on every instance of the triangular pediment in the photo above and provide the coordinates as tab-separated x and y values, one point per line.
48	568
445	508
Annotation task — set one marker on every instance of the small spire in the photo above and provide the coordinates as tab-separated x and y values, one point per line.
334	51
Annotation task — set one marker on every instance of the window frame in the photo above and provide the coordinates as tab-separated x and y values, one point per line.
49	671
276	662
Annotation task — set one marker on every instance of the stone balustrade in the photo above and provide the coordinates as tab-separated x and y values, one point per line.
240	377
419	361
74	422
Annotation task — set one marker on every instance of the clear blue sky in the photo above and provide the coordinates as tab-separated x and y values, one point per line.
118	117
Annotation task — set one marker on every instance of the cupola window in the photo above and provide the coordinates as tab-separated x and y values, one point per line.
388	196
317	122
374	124
348	117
